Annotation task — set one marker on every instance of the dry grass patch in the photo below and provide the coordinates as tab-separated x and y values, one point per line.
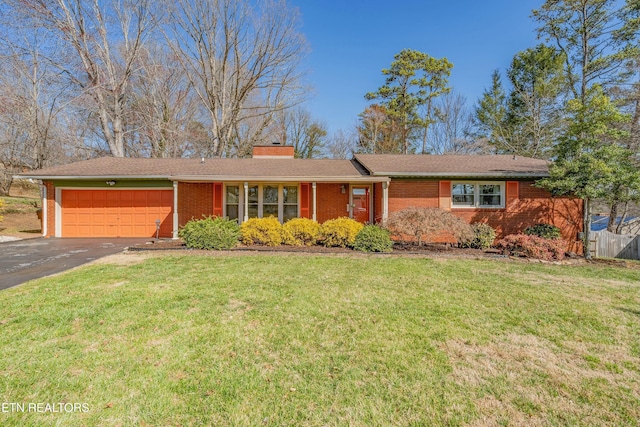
530	378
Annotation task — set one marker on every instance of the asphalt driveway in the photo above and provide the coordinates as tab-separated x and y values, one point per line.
29	259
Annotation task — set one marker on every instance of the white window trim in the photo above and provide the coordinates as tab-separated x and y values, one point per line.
240	199
260	185
476	197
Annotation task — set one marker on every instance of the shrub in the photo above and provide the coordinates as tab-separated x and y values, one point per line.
426	224
482	237
262	231
300	232
210	233
340	232
373	238
546	231
532	247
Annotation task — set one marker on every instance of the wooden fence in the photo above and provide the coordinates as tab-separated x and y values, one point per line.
611	245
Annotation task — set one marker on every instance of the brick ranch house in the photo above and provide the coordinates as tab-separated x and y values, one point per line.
126	197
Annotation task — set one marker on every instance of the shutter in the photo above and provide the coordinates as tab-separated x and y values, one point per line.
217	199
445	195
305	200
511	194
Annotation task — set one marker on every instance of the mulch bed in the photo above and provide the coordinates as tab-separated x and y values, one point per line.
399	249
433	250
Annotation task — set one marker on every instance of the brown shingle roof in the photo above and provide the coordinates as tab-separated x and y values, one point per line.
193	169
450	165
363	167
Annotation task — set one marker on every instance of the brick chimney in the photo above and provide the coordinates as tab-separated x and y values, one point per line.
273	151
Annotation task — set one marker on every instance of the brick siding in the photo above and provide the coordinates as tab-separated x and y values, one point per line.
532	205
194	201
331	202
51	208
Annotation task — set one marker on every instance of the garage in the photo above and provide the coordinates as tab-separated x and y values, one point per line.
116	213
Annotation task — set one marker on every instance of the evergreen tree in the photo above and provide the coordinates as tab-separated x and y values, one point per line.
413	81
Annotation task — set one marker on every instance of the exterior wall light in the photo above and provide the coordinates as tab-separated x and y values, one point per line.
343	189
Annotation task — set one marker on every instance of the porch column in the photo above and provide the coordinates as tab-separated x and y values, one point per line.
246	202
175	210
385	202
313	186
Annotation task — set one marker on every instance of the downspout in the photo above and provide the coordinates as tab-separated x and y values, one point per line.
175	210
44	210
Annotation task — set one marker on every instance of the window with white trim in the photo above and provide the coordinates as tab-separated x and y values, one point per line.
232	197
477	194
289	202
264	200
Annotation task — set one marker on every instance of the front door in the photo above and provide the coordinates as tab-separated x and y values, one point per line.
360	204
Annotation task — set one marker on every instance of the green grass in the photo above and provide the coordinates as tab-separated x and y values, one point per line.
12	205
323	340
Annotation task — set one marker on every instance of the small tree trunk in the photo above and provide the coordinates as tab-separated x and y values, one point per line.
613	215
622	218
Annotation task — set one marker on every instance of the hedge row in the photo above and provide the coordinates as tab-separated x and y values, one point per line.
222	233
417	224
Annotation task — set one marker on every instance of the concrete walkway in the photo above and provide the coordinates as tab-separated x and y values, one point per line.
24	260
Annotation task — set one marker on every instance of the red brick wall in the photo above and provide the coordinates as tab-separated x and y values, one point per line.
331	202
532	205
51	208
407	193
377	203
273	150
194	201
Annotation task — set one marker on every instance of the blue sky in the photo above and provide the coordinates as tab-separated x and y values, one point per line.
353	40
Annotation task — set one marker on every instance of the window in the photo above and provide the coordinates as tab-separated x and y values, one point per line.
263	200
290	202
269	201
490	195
463	195
477	195
232	198
253	201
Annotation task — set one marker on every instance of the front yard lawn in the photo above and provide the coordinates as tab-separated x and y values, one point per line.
323	340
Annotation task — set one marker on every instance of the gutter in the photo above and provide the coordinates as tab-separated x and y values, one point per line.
235	178
463	175
91	177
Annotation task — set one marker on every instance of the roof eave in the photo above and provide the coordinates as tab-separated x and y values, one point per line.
89	178
236	178
463	174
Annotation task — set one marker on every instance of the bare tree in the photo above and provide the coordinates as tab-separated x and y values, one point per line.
164	107
297	127
453	127
243	59
103	40
342	145
32	100
380	132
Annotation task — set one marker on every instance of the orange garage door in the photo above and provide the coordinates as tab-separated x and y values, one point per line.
116	213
